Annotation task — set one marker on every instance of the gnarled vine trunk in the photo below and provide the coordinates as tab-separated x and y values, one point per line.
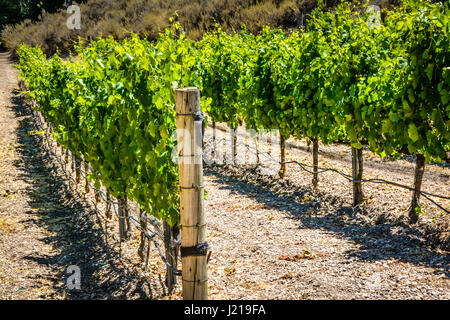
418	175
143	238
256	148
124	221
357	174
170	238
234	143
213	151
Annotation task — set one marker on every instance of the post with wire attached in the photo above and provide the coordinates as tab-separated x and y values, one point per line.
194	248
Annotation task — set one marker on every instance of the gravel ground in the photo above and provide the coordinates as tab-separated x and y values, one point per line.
303	246
272	238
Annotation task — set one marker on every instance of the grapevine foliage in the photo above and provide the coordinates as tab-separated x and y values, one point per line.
114	105
341	79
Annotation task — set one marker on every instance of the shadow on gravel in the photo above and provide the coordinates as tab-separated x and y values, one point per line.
381	240
78	240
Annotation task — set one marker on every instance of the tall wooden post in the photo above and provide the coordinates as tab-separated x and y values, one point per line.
234	143
193	226
108	211
72	158
66	157
124	221
269	142
256	147
77	164
143	240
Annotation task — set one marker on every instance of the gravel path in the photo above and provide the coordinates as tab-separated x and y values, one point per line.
271	238
22	240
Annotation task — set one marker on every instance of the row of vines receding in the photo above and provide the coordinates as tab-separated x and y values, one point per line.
342	79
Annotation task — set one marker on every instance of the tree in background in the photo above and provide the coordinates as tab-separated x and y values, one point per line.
15	11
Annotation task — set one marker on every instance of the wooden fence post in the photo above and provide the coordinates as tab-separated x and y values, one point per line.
72	161
269	142
108	211
66	157
193	227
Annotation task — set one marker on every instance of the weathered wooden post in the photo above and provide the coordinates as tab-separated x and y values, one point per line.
193	227
108	211
143	240
72	159
66	157
269	142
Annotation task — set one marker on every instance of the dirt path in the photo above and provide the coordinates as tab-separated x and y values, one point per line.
21	238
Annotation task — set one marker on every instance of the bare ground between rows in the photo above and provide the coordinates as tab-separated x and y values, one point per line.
63	229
